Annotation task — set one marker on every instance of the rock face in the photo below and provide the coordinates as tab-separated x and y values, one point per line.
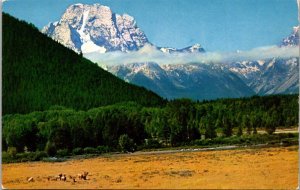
95	28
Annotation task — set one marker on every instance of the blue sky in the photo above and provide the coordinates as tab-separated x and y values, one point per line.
218	25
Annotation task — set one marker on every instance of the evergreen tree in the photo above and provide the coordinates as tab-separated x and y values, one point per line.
240	131
227	127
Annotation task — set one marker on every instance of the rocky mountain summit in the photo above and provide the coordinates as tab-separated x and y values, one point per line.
293	39
95	28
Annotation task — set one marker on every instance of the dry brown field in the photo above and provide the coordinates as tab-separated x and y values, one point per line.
264	168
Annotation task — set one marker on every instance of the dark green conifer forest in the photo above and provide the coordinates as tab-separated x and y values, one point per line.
180	122
39	72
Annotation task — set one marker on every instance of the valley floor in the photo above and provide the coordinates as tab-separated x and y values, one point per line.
264	168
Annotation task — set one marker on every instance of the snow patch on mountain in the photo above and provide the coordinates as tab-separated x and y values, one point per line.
261	62
196	48
271	63
88	45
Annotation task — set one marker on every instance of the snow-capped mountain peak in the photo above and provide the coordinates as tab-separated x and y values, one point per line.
293	39
195	48
296	28
95	28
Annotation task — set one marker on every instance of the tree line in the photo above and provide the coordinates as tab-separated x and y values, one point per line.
179	122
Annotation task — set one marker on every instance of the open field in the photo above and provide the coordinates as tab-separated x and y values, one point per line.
268	168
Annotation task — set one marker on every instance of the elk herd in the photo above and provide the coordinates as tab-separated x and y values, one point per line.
63	177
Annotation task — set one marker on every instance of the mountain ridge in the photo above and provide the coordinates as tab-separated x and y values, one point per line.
196	81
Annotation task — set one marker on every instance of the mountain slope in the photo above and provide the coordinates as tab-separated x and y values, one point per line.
196	81
39	72
270	76
274	75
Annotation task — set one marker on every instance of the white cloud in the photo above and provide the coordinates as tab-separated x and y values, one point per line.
3	1
151	54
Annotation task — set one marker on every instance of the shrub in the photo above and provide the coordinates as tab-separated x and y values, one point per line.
39	155
126	144
12	152
202	142
62	152
5	157
50	149
23	157
31	156
288	135
24	160
77	151
103	149
152	143
90	150
53	159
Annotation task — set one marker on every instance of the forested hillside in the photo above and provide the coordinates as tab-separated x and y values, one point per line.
39	72
179	122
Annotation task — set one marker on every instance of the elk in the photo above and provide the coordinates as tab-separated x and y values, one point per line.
72	178
59	176
63	177
83	175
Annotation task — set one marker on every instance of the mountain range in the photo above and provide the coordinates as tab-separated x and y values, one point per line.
270	76
273	75
95	28
196	81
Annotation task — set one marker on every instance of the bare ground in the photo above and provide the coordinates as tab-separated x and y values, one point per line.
264	168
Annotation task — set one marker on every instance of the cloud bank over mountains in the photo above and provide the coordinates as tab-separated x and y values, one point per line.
112	39
151	54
